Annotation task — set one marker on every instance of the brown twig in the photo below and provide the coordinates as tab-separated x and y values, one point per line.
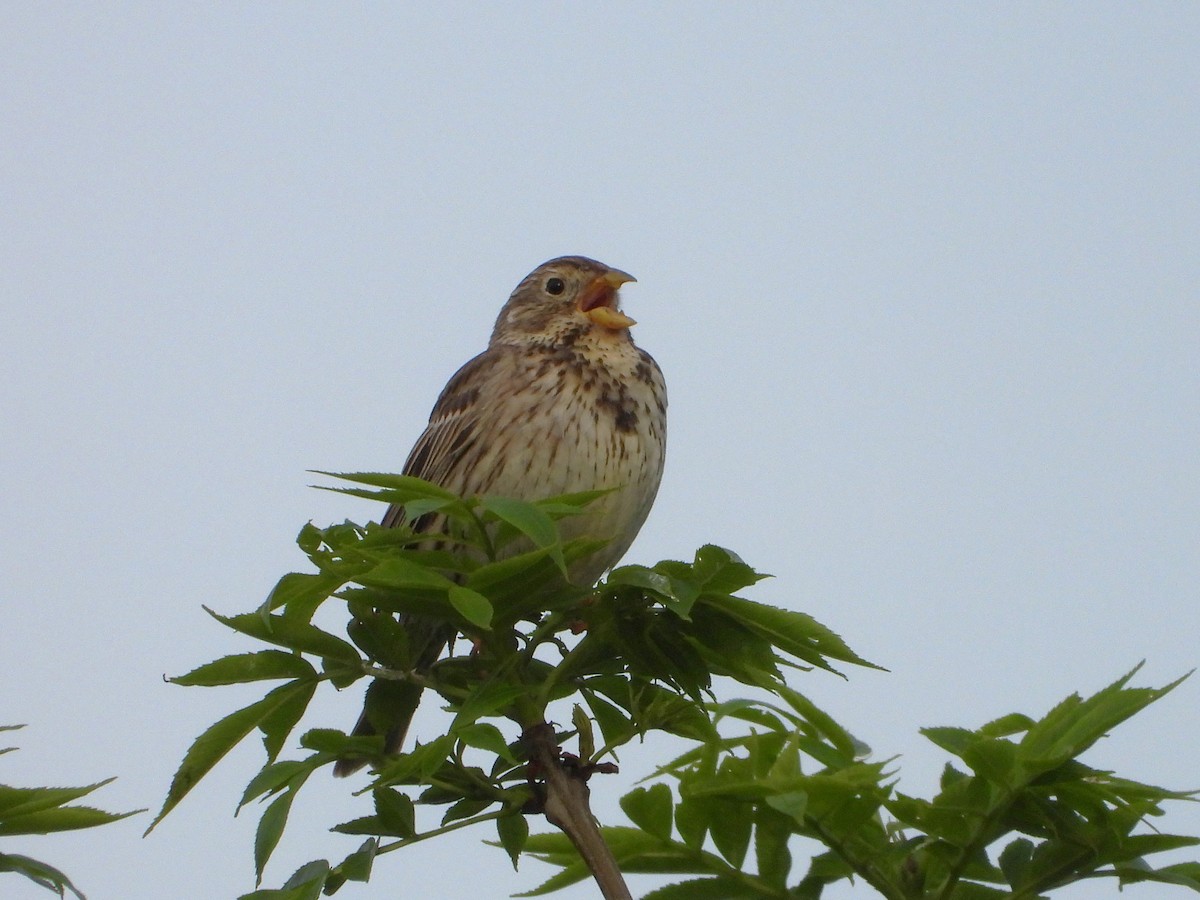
564	796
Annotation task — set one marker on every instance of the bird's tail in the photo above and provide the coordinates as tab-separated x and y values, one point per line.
388	709
390	705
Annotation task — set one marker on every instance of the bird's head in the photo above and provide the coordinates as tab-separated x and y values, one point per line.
563	299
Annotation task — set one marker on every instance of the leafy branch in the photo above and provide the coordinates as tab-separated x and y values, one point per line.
650	649
43	810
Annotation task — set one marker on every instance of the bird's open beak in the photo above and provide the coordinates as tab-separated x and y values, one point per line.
599	300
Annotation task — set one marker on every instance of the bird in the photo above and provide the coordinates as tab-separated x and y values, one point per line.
561	401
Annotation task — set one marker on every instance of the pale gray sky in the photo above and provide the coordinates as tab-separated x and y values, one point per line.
923	281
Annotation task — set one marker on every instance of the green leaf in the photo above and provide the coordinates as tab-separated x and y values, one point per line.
245	667
523	586
771	834
571	504
221	737
527	518
270	829
418	764
16	801
472	606
1014	861
1138	845
485	736
383	639
275	776
729	826
553	847
514	832
300	636
677	594
823	869
572	873
304	590
40	873
614	724
705	889
365	603
640	853
465	808
398	572
488	699
407	485
655	648
722	571
730	648
754	712
1074	725
791	803
640	577
793	633
655	708
395	811
953	740
1013	723
277	724
651	809
305	884
635	852
42	810
66	818
996	760
692	815
1183	874
357	866
331	743
843	741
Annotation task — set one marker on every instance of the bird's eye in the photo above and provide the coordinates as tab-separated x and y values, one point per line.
555	286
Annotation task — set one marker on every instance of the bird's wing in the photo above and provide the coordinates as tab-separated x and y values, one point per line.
452	430
450	434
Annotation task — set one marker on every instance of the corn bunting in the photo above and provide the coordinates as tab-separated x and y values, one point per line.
560	401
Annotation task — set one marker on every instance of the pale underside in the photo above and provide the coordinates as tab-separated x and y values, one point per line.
580	425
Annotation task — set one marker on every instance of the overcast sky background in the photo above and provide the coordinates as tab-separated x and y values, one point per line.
923	282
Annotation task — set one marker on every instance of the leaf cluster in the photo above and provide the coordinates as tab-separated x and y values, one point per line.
1017	816
635	655
649	649
44	810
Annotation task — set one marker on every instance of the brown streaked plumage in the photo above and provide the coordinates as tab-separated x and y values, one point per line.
560	401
